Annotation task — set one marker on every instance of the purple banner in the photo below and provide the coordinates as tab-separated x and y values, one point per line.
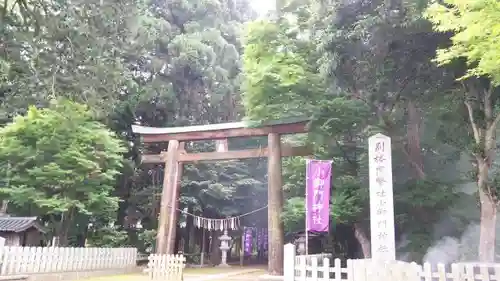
318	175
248	241
264	239
259	239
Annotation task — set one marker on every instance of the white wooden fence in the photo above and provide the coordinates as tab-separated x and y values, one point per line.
309	258
32	260
166	267
300	268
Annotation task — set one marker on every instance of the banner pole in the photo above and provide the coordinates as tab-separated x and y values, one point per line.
242	253
306	209
307	236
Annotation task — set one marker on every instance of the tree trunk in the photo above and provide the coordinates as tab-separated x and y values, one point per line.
414	153
202	240
178	240
484	132
83	230
488	219
133	236
64	226
215	253
203	245
362	237
187	231
4	207
352	168
124	195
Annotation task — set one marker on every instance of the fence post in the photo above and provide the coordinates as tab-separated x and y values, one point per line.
289	262
356	270
2	253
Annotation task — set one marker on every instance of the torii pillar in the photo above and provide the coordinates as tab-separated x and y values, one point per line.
167	223
275	205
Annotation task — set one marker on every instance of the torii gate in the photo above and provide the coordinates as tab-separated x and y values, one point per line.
176	155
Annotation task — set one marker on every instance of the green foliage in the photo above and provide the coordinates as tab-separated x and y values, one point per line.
476	28
82	56
367	64
279	81
108	237
154	62
227	188
59	159
148	238
282	80
336	116
351	67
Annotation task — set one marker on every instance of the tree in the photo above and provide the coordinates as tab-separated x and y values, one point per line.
369	69
281	80
191	76
60	163
83	51
380	53
155	62
475	26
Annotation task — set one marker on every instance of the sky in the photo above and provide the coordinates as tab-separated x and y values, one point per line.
262	6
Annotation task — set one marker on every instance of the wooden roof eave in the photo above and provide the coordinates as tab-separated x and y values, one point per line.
34	225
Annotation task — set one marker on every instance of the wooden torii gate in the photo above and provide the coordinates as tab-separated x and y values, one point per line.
176	155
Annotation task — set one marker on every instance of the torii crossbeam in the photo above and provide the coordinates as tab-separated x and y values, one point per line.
176	155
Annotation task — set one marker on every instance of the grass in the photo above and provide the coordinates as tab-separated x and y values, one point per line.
188	271
215	270
128	277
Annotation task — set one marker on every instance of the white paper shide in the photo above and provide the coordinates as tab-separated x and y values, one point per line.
381	198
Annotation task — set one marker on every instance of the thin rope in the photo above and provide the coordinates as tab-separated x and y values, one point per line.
260	155
228	218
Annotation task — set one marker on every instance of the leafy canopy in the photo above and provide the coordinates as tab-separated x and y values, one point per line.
476	27
279	80
282	80
59	159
